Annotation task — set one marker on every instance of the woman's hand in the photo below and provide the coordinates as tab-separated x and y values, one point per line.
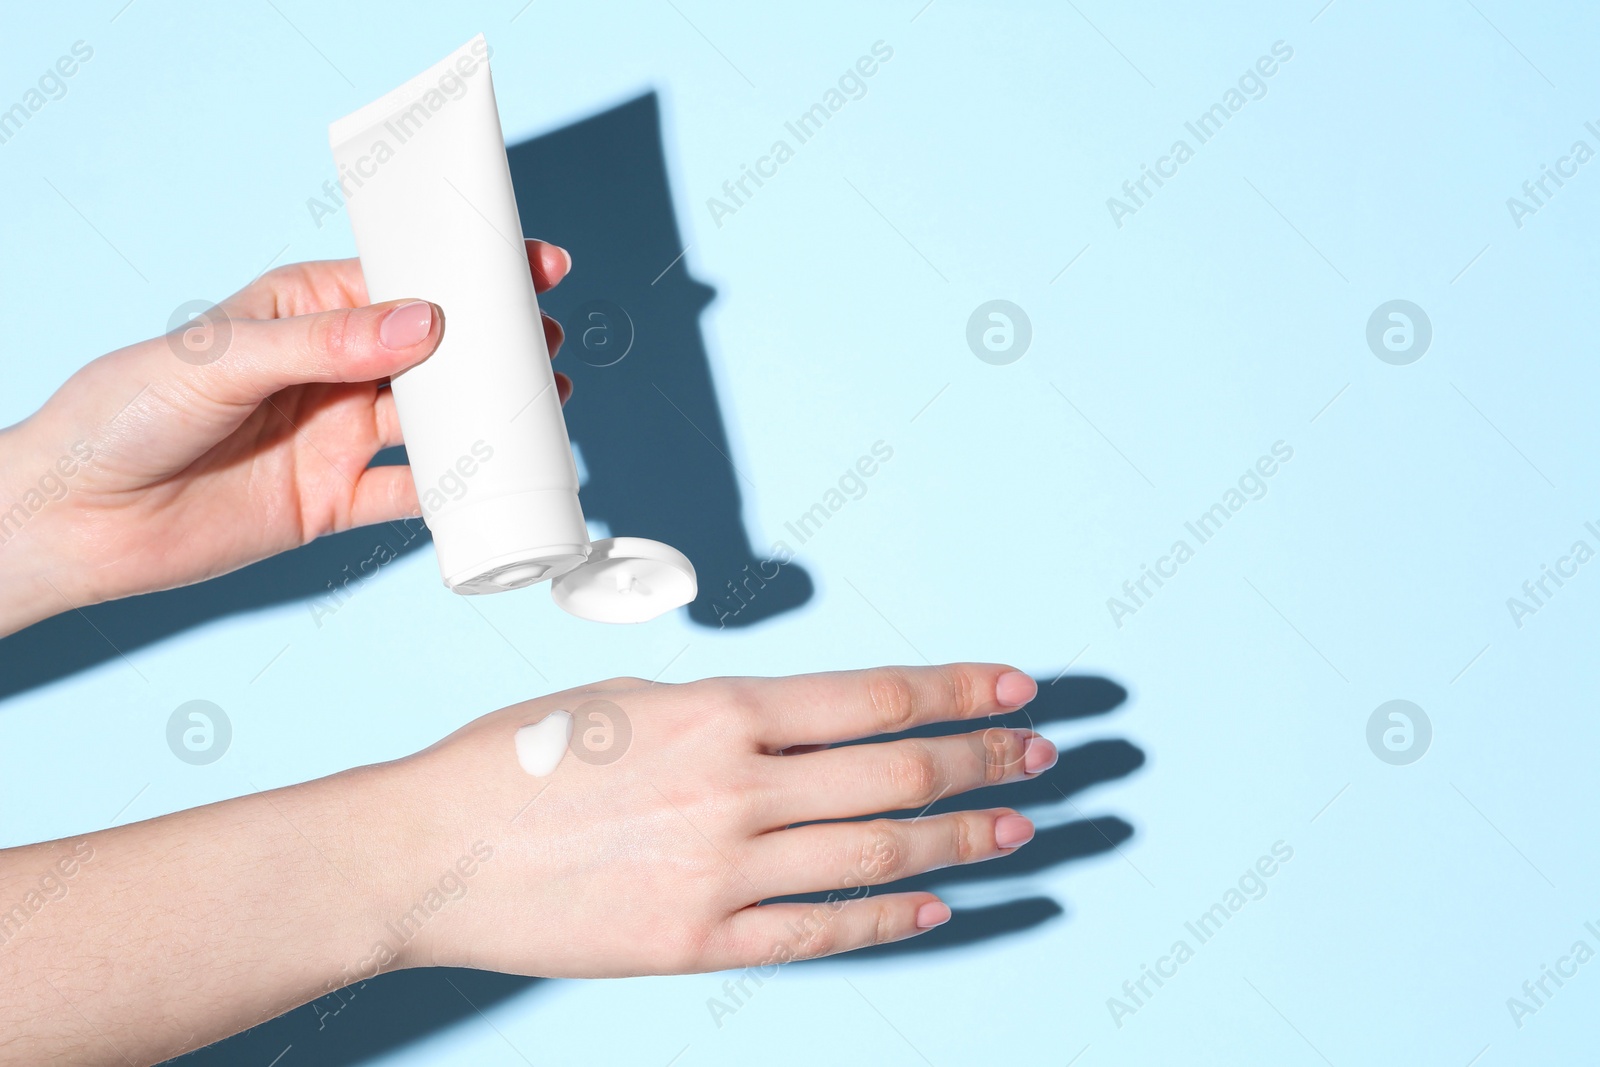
676	810
646	850
244	434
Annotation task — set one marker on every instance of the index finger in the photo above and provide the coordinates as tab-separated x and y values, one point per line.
845	705
300	289
331	284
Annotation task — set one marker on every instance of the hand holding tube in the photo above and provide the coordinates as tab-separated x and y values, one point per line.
244	434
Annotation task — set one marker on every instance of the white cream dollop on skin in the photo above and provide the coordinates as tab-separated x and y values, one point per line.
541	745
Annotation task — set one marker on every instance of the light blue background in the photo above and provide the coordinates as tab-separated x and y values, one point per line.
1222	317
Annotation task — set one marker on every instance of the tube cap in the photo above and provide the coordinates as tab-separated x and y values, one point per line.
626	579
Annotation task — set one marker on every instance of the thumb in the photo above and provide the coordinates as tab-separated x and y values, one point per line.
244	361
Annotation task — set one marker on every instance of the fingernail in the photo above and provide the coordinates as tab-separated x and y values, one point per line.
1015	689
1011	831
1039	756
934	913
406	325
560	332
564	255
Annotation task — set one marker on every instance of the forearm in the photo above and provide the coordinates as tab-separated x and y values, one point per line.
175	932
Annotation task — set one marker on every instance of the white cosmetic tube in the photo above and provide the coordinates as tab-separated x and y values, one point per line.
428	189
429	196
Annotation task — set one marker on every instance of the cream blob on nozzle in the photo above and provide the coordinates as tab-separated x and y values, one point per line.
428	189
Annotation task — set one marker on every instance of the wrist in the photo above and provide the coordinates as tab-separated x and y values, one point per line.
431	863
34	485
361	821
24	594
23	598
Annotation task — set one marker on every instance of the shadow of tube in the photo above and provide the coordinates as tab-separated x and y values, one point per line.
644	417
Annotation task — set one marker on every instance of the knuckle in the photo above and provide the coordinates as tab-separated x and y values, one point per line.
281	278
730	694
893	699
742	796
293	287
290	272
961	688
883	926
330	336
744	703
884	856
625	681
816	936
687	948
753	947
914	774
743	693
1002	754
961	843
730	705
